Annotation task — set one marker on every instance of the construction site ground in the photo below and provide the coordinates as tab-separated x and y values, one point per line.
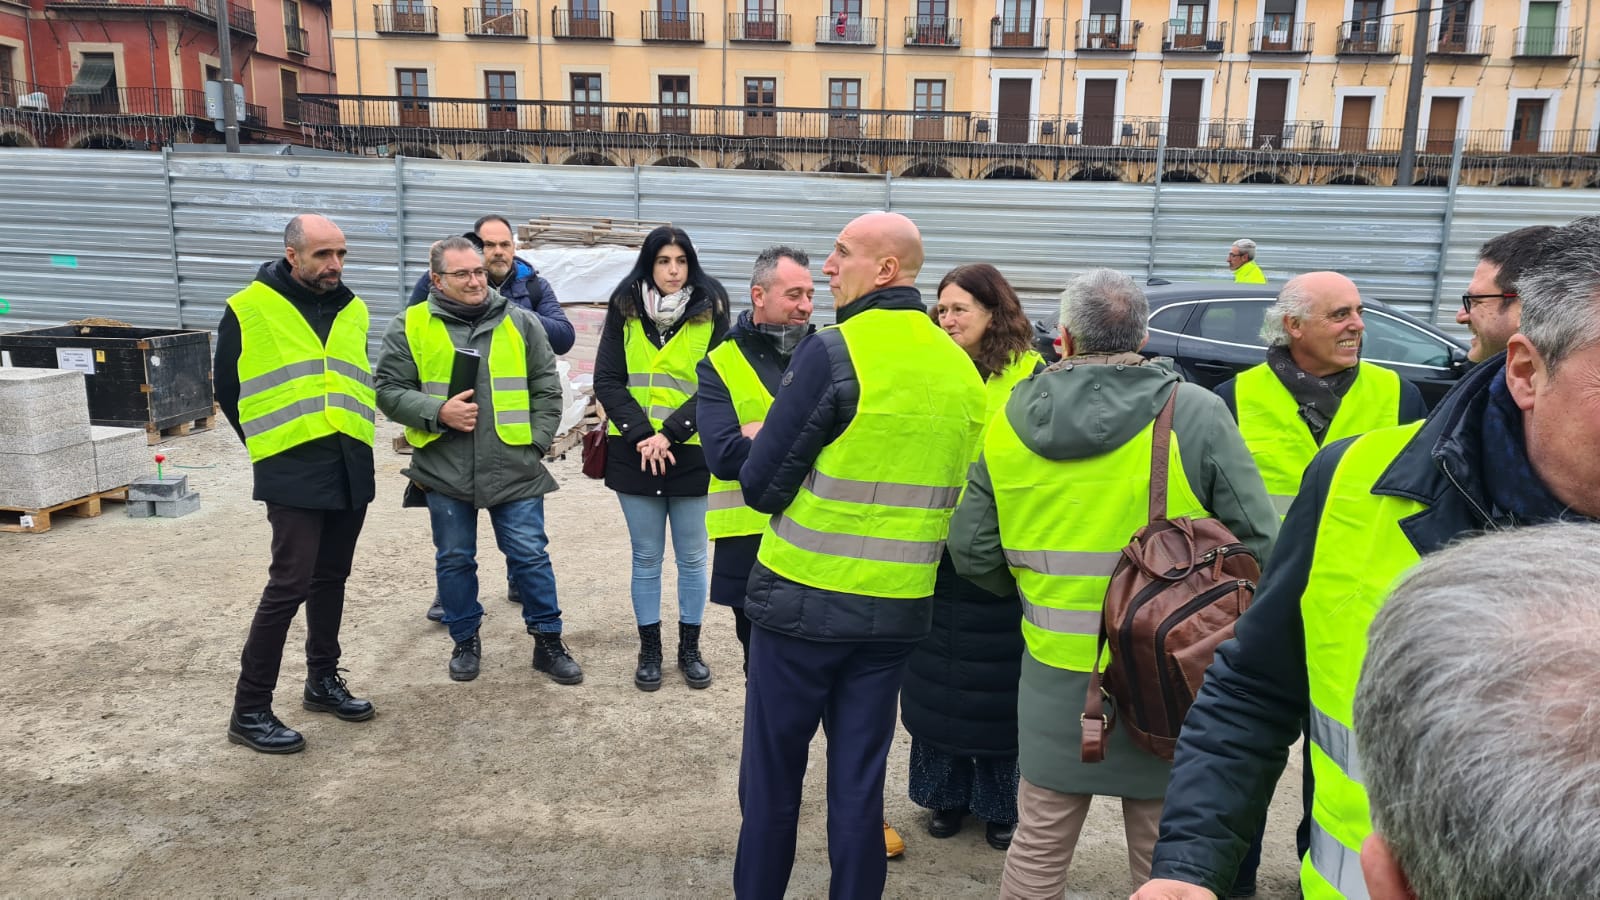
121	641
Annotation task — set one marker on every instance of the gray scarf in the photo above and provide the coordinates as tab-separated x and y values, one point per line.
1318	398
784	337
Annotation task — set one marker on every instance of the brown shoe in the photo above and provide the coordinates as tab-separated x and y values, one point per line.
893	845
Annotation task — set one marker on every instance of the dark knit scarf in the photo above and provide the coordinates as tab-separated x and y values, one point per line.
463	311
1516	495
1318	398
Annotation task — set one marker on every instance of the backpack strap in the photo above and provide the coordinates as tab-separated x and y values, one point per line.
1160	441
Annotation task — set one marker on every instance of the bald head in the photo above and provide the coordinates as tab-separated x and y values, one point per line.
874	251
315	249
1318	317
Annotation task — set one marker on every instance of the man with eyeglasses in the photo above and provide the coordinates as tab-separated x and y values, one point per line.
517	281
1242	260
1490	308
482	448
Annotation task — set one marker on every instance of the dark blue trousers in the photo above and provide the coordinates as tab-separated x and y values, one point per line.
851	689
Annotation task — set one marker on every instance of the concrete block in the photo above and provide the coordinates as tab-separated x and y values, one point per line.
39	435
172	509
172	488
121	455
141	509
42	410
38	480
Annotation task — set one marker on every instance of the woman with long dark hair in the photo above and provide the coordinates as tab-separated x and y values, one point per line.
662	319
959	699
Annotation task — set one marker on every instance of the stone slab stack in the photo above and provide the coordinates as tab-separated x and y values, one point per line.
46	443
166	498
121	456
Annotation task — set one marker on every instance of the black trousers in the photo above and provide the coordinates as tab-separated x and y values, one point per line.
311	554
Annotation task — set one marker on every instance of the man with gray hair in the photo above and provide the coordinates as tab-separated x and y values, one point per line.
481	448
1065	475
1242	260
1498	698
1313	389
1513	444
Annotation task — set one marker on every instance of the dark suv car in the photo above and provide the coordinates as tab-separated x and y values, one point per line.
1213	332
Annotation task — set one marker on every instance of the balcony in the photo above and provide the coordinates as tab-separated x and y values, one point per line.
1462	40
932	31
297	40
581	24
1295	38
758	28
1182	37
1105	34
1368	38
408	18
845	28
255	116
240	18
1018	33
25	97
673	27
495	22
1547	43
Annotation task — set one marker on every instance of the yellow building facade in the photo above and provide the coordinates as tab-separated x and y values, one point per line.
1072	88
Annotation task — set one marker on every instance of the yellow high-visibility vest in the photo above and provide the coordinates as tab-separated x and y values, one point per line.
726	512
663	379
434	353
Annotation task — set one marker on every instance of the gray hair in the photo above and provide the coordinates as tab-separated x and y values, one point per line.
1560	292
1105	312
455	242
1246	246
767	263
1477	720
1294	301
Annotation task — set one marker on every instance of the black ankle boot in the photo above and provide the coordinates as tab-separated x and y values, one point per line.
465	659
329	693
648	675
694	669
263	733
550	656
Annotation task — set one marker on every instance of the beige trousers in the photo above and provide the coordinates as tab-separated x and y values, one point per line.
1048	824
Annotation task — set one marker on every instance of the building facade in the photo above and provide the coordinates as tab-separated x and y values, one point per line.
1225	90
126	74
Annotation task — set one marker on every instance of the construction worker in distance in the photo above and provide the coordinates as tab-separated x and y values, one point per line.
1242	260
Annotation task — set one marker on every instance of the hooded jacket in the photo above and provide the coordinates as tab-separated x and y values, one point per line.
478	468
332	472
1081	408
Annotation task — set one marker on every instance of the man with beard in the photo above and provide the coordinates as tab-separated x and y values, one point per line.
1490	308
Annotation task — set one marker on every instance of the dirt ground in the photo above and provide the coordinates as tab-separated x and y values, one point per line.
119	652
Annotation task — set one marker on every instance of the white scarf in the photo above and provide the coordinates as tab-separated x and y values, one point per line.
665	309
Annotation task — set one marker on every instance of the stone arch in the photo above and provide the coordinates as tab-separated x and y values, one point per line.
13	138
761	164
1350	178
681	162
1431	180
1183	176
926	170
502	155
1011	171
418	151
1262	176
845	166
1520	181
590	158
100	140
1096	173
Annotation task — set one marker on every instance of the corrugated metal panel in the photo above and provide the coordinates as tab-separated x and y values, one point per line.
230	212
1483	213
1385	239
85	233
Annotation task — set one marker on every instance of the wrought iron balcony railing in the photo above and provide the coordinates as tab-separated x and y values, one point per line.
1278	37
932	31
405	18
297	40
1184	37
846	28
581	24
27	97
1547	43
766	28
1105	33
240	18
1367	37
673	27
1462	40
1019	33
495	22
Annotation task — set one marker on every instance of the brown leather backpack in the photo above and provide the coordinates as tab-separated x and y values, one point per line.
1175	595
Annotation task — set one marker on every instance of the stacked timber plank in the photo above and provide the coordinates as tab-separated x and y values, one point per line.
584	230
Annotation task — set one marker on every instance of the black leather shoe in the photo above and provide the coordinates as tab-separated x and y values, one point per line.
329	693
511	593
998	836
464	659
263	733
694	669
648	676
946	822
551	657
436	611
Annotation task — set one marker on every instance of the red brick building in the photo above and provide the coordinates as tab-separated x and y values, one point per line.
131	74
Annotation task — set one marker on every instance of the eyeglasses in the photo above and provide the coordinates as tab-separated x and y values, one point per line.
1468	299
466	274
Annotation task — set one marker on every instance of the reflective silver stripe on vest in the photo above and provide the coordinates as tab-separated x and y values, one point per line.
436	388
351	404
725	499
1061	621
1338	742
881	493
509	384
1065	562
353	372
261	425
513	417
1280	503
853	546
269	380
1340	865
662	413
646	380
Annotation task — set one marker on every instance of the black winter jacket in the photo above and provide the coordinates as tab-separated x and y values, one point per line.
1236	738
815	405
688	476
333	472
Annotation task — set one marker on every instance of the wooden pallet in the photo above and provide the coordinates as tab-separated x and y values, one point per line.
583	230
37	521
203	423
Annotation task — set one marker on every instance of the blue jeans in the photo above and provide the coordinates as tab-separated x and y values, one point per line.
647	532
519	531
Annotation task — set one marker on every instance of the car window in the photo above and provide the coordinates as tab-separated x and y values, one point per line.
1234	321
1170	318
1388	339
